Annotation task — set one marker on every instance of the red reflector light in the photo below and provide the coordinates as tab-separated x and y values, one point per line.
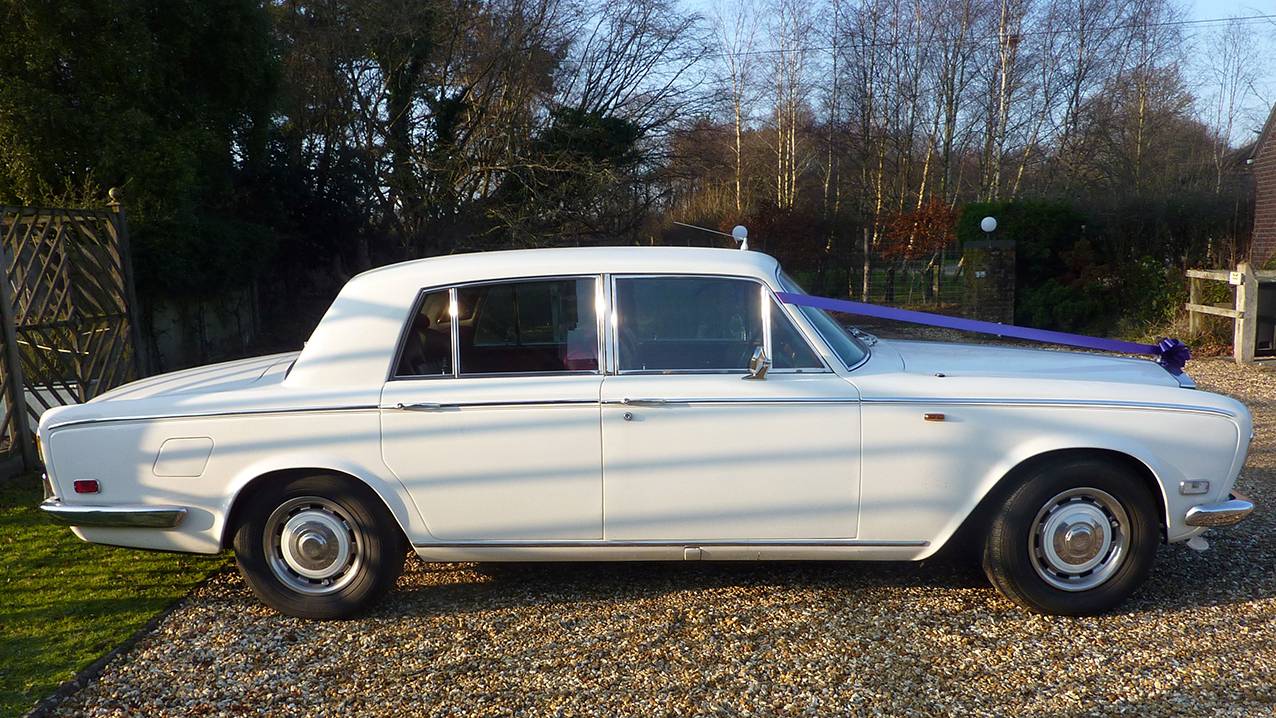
86	486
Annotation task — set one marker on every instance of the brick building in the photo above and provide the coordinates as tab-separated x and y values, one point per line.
1262	164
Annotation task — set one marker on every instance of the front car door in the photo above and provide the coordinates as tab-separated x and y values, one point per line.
695	451
492	417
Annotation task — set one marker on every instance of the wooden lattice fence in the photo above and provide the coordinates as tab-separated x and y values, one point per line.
67	303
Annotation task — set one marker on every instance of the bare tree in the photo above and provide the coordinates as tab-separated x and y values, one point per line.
790	31
736	25
1234	64
634	62
1002	88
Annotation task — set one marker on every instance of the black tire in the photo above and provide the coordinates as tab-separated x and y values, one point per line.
1104	530
319	547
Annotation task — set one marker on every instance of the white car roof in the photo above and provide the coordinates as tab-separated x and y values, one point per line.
478	266
354	340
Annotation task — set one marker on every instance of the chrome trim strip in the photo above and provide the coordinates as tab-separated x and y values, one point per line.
214	414
850	543
1080	403
151	517
475	404
1230	512
730	400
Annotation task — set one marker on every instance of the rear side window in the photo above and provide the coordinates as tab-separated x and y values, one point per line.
427	349
528	327
687	323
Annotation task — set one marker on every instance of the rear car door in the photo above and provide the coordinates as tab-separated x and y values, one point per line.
491	419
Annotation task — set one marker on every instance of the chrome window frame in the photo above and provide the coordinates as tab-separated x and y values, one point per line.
455	328
767	296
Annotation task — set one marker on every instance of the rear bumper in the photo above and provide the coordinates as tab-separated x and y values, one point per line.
1230	512
153	517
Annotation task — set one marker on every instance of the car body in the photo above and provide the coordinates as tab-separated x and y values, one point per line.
642	404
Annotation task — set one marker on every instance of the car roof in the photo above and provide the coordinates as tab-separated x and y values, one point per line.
509	264
355	339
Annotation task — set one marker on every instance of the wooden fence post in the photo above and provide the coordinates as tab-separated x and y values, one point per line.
1194	297
17	381
140	355
1245	331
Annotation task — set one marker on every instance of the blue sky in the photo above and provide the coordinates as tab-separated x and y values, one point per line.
1206	9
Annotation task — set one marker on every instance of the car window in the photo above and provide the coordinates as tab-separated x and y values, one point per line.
788	349
687	323
847	348
521	327
427	349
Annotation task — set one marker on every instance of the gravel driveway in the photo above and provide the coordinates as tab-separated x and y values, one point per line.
738	639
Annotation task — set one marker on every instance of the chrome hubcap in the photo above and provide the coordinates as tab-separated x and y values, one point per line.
1079	539
311	546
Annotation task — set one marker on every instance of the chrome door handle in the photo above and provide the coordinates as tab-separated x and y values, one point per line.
419	405
642	401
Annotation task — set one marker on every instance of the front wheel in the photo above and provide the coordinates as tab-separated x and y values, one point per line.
319	547
1076	539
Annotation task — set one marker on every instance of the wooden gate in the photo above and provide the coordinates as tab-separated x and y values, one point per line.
67	303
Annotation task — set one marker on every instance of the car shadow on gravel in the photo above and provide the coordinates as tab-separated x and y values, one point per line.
1231	572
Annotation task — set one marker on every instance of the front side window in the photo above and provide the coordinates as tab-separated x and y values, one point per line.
788	349
847	348
687	323
528	327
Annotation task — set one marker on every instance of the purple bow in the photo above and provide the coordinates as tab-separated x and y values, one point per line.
1172	353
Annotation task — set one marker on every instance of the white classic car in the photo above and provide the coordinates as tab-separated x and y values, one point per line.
642	404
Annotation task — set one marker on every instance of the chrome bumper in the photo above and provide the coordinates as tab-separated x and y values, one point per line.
149	517
1232	511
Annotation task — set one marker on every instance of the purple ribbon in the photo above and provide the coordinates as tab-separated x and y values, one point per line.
1171	353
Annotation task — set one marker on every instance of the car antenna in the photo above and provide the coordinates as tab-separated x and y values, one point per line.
740	233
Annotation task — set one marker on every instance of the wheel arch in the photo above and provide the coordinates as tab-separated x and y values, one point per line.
970	533
250	488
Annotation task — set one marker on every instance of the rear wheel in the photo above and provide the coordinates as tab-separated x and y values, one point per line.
319	547
1077	538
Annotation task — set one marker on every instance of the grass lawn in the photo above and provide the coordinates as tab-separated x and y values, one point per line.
64	603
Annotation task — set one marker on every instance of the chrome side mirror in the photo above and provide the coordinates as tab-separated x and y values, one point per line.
759	365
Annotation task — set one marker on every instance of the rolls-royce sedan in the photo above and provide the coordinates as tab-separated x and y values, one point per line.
642	403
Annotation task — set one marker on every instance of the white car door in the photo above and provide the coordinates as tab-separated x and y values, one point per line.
695	451
492	418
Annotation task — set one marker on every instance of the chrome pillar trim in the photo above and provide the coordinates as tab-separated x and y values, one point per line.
1230	512
150	517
